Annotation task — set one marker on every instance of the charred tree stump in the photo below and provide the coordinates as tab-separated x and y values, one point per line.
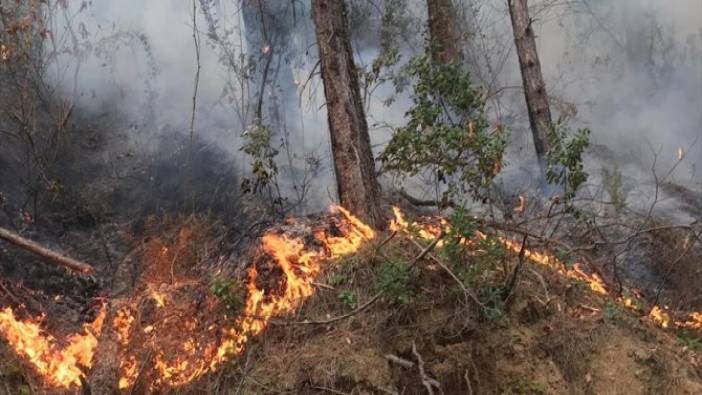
357	184
48	255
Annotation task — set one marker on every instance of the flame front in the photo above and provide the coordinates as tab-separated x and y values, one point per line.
57	362
61	364
657	314
299	265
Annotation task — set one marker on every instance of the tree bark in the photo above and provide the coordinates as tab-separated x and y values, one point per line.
45	253
357	184
443	31
532	77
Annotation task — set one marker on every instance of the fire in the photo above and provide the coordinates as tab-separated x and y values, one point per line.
59	363
299	265
158	298
355	232
658	315
695	322
193	355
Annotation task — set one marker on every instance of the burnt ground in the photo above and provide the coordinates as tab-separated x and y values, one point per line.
120	213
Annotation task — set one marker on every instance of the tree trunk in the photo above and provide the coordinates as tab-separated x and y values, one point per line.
532	78
357	184
443	31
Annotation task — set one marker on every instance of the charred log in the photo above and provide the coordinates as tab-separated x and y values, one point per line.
48	255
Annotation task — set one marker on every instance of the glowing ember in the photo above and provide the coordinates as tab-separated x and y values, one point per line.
160	300
519	209
57	362
695	322
659	316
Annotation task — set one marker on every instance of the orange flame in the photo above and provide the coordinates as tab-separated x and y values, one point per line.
659	316
300	266
158	298
61	363
58	363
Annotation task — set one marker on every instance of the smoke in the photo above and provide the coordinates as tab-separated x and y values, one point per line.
629	70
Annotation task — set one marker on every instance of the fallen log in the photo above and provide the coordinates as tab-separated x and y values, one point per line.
48	255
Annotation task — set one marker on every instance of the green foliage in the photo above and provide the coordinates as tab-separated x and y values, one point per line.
612	183
339	278
564	160
349	299
475	272
690	340
257	144
446	130
613	314
396	280
230	294
463	227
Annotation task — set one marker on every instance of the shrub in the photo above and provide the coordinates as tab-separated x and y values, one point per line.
396	281
446	132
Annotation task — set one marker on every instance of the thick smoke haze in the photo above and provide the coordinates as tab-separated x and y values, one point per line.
631	71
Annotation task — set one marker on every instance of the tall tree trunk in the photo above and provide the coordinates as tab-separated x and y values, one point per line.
443	31
356	181
532	78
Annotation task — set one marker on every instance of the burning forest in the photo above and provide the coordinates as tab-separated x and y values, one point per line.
350	197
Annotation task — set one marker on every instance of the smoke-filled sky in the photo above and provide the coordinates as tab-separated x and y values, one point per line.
631	68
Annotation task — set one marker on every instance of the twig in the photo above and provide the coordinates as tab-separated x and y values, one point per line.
452	274
543	284
424	203
428	249
470	386
309	78
325	286
428	382
400	361
9	294
335	319
507	291
387	240
146	363
196	40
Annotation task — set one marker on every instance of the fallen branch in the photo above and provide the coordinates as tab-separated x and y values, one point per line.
45	253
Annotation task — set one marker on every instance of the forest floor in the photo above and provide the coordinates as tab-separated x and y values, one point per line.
383	319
